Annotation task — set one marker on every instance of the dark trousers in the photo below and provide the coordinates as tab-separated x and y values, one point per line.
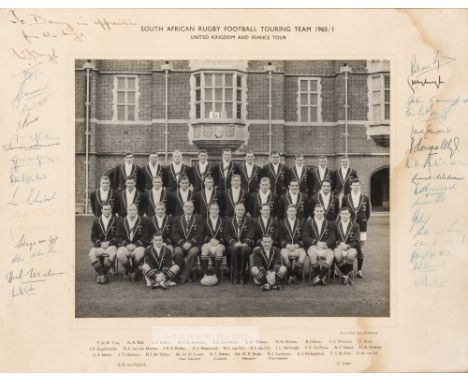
239	260
185	260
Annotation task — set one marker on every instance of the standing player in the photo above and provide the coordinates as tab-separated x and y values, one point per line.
132	237
295	198
233	196
200	171
302	174
204	198
276	171
347	245
267	269
128	170
360	207
343	176
152	170
187	235
155	195
161	223
224	171
321	173
103	194
263	225
158	268
103	236
175	171
130	195
263	196
292	246
319	238
178	198
326	199
250	174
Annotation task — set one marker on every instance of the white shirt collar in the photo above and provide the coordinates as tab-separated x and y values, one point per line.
184	194
293	196
299	169
106	220
345	225
104	194
130	223
319	222
159	220
130	194
264	196
214	221
265	220
176	166
236	193
128	168
202	166
292	222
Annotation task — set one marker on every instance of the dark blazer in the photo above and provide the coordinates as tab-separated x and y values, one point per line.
362	213
301	205
150	203
213	232
165	228
197	177
149	176
224	182
161	262
279	180
99	234
317	182
333	210
121	200
170	179
257	230
120	177
192	232
140	238
311	234
291	235
176	204
255	204
233	232
250	184
202	205
96	201
229	204
306	180
262	261
343	183
351	236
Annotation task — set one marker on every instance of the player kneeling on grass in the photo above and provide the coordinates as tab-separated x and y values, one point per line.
319	236
103	234
347	245
158	268
214	246
267	269
132	235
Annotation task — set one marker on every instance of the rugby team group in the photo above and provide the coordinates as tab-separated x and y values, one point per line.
260	222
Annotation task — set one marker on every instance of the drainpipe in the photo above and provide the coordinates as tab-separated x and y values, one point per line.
166	67
269	68
346	70
88	68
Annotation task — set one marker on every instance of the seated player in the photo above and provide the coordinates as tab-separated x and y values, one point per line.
187	235
158	268
103	236
206	196
295	198
213	246
132	236
292	246
263	196
130	195
267	269
263	225
319	238
103	194
178	198
155	195
347	245
161	223
360	207
235	235
233	196
327	199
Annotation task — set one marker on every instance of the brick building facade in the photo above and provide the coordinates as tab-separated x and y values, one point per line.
213	104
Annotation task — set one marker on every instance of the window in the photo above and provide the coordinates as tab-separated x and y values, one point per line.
218	95
380	97
125	98
308	105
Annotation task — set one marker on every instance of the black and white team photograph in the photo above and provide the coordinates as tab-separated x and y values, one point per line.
232	188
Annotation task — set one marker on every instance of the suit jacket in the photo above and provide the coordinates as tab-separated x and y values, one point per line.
234	232
333	210
176	203
192	232
311	234
150	203
305	179
161	262
351	236
266	261
164	229
139	200
250	184
171	179
317	182
224	182
360	214
343	183
202	204
96	201
197	177
257	230
301	205
255	204
120	177
229	204
148	175
278	180
291	235
213	232
99	234
140	237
